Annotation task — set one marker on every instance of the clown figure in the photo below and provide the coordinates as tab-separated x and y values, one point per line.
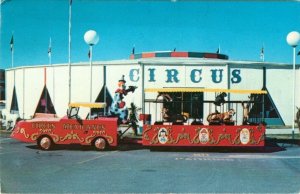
118	106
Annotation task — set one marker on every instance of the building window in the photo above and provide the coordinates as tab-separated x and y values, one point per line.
2	84
45	104
100	98
14	108
265	109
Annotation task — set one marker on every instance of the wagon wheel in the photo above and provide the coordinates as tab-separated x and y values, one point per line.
100	143
45	143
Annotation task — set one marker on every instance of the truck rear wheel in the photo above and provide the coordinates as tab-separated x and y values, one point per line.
100	143
45	143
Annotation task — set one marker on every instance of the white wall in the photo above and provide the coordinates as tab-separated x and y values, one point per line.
34	84
9	81
279	84
251	79
57	85
20	89
297	93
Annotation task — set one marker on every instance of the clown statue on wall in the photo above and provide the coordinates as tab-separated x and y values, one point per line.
118	106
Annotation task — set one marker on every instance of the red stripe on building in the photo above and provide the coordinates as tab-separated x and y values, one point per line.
179	54
211	55
148	55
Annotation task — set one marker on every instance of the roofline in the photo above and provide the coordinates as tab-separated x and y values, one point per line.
165	60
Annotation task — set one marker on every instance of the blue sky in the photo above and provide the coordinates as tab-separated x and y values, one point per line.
240	28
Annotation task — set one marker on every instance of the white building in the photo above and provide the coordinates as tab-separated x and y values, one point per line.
27	86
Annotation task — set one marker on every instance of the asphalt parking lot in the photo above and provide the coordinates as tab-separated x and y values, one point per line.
134	169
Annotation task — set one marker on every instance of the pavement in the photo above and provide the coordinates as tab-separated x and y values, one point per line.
136	169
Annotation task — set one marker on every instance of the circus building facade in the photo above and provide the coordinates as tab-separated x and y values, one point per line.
189	84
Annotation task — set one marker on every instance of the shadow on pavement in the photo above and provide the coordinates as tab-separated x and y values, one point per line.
271	145
265	149
284	141
73	147
78	147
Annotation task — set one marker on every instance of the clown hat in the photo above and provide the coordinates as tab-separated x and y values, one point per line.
122	79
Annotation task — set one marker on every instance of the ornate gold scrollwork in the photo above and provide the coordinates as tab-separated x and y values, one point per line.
222	137
252	139
196	140
71	136
236	140
54	137
109	139
181	136
211	137
154	139
146	136
171	139
261	138
34	136
89	138
49	132
22	131
15	131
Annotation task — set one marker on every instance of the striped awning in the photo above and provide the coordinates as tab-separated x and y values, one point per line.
182	54
238	91
88	104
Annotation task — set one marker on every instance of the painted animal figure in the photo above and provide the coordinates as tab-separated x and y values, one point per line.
220	99
164	97
221	117
171	117
245	112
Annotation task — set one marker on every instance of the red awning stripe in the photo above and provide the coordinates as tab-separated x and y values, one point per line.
178	54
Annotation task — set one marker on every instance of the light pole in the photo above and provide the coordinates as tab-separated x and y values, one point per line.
91	38
293	40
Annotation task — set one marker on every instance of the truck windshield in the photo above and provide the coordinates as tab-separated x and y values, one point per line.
73	112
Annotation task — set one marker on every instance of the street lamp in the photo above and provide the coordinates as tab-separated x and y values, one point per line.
293	39
91	38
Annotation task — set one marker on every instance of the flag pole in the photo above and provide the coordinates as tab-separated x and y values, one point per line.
50	64
91	78
293	38
262	53
49	52
12	58
69	56
294	84
219	50
12	49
